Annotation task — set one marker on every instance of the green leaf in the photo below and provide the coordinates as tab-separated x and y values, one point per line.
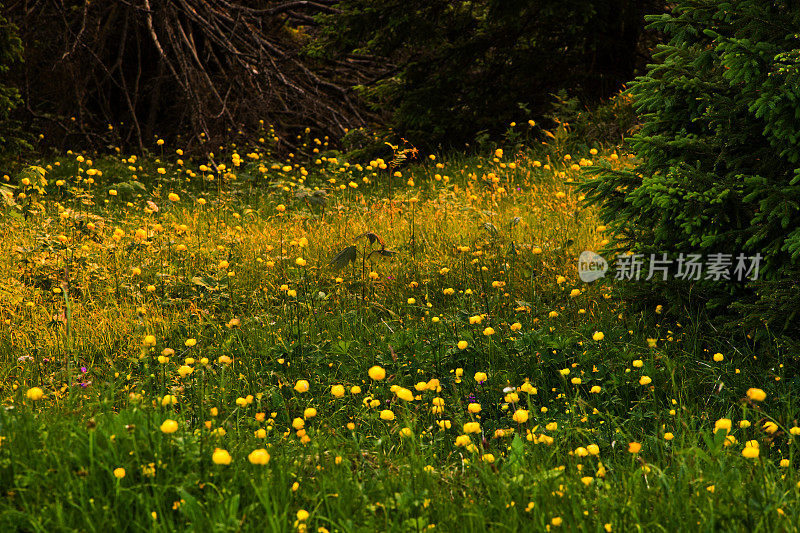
343	258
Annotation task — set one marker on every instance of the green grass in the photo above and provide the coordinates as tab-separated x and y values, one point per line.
78	308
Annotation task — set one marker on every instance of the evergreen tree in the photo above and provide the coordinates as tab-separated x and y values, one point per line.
720	155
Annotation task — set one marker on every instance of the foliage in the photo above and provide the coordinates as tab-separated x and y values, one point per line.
609	123
10	52
719	152
462	67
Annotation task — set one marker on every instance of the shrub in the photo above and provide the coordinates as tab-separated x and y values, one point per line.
719	153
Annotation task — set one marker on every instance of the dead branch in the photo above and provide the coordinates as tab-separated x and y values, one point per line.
211	68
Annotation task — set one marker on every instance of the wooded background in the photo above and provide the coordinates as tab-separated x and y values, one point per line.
119	73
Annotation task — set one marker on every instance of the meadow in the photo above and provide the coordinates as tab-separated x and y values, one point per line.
253	343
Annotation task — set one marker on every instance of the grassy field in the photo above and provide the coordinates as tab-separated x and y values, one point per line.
187	345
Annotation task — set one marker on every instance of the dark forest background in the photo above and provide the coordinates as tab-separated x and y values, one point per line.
438	73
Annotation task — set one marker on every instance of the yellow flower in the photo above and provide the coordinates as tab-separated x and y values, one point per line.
377	373
472	427
405	394
462	345
185	370
298	423
488	331
784	463
149	340
757	395
300	262
724	424
35	394
751	449
718	357
221	457
645	380
593	449
190	342
557	521
302	515
337	391
634	447
595	389
309	412
638	363
668	436
406	432
598	335
488	458
387	415
168	400
173	197
169	426
301	386
587	480
520	416
119	473
770	427
258	457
